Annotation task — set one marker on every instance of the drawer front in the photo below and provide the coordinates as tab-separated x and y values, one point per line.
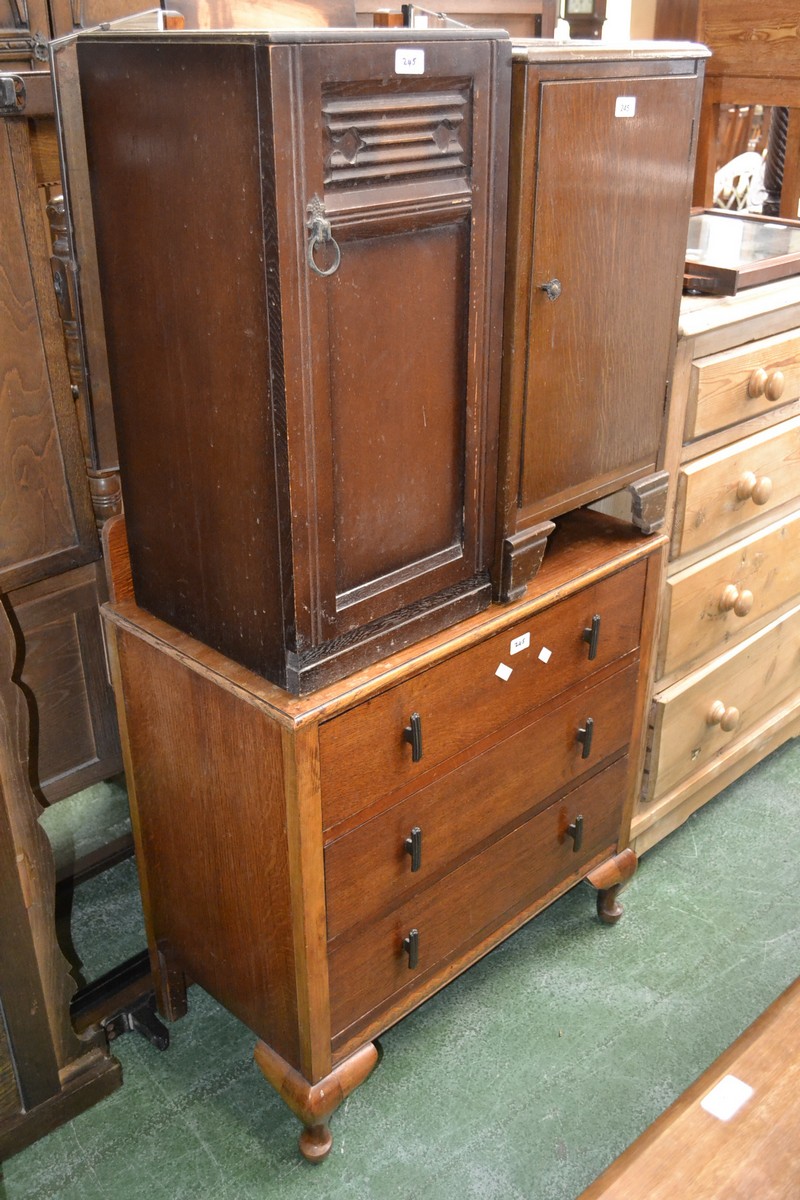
700	717
507	877
718	600
364	753
741	383
721	492
370	870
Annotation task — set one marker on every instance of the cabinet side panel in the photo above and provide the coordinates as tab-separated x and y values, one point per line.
173	148
209	790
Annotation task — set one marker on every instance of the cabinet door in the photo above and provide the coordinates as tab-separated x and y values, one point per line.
45	511
390	361
609	223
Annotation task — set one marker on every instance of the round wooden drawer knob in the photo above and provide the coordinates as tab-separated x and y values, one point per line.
766	383
726	717
740	602
750	487
775	385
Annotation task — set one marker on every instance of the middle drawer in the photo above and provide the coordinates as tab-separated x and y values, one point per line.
407	846
722	491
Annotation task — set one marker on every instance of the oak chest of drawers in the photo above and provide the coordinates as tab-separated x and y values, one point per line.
728	648
322	865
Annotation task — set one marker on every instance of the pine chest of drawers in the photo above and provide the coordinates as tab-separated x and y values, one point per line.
728	658
321	865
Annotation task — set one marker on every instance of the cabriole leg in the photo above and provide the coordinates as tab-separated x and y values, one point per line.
609	879
314	1103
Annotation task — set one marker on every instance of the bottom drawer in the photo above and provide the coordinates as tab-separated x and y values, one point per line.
507	877
701	716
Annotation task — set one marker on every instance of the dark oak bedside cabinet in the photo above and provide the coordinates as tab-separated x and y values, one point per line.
602	152
300	239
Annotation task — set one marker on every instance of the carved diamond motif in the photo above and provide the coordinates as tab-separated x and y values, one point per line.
349	144
444	136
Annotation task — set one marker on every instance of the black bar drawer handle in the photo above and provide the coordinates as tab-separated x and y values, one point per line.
585	735
413	846
575	831
413	734
592	635
411	947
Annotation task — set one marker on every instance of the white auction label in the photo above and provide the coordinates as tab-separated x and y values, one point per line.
409	62
725	1100
626	106
520	643
545	655
504	672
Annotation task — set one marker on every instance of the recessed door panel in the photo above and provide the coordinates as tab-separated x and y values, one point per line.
398	367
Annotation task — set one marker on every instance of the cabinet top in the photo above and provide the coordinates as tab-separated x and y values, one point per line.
546	50
293	36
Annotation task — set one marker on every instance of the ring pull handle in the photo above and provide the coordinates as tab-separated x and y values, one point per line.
320	234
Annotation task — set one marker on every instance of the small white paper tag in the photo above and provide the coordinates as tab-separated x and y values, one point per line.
545	655
520	643
409	62
625	107
504	672
725	1100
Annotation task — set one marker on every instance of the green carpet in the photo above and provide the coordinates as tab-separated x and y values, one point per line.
521	1081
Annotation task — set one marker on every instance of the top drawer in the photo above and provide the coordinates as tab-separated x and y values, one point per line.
364	753
741	383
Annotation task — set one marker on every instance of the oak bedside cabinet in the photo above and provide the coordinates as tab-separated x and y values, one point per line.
728	657
602	153
323	864
300	239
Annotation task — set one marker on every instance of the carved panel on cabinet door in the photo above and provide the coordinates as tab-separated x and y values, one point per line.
381	136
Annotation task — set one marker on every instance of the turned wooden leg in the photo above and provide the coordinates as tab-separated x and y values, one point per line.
609	879
314	1103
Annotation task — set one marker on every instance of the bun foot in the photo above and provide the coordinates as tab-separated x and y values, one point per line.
609	879
315	1143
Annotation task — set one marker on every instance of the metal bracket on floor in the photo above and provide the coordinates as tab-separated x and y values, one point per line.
121	1001
140	1018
